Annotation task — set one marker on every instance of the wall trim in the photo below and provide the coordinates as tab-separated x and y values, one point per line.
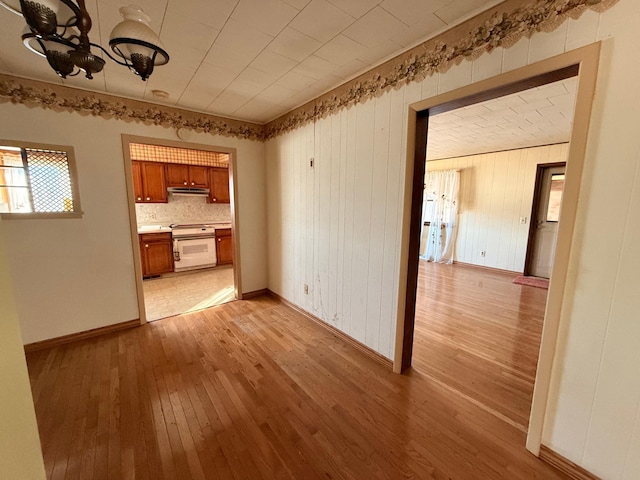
59	98
254	294
565	466
484	267
75	337
500	26
361	347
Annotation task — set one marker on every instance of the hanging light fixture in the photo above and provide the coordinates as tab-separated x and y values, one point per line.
59	31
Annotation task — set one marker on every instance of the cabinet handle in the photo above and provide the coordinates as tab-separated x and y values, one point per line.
146	245
219	239
185	183
215	199
139	198
193	183
148	198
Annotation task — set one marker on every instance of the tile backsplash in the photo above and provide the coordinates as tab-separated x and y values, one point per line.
182	210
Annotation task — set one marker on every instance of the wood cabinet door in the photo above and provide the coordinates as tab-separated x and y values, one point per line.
198	176
177	175
224	246
156	253
154	182
219	185
136	172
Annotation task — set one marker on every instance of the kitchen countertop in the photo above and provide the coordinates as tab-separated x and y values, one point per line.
165	229
153	229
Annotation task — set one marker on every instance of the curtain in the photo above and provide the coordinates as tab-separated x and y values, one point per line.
439	216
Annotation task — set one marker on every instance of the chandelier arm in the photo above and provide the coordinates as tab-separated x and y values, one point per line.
106	52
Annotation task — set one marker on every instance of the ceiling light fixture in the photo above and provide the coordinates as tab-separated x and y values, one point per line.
59	31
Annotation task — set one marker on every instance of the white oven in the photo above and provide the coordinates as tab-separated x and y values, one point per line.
194	246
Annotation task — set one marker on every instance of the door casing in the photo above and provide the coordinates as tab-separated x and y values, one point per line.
584	61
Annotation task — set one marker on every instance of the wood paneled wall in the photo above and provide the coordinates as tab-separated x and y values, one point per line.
496	191
339	232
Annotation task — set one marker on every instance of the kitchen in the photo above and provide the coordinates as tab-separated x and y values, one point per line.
183	217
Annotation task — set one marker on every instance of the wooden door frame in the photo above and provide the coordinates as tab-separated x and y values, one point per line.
131	200
540	168
584	61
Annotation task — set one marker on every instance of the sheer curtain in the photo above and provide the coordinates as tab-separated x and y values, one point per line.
440	216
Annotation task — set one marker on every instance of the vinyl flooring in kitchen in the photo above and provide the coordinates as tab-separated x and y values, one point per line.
187	292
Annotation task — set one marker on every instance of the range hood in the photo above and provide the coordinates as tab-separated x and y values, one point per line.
189	191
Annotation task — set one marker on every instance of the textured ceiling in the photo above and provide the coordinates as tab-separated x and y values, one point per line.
250	59
539	116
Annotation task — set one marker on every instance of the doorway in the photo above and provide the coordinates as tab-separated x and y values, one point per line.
477	330
182	217
582	62
545	220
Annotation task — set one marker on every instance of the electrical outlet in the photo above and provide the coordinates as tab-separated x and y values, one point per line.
523	220
311	160
483	253
153	216
306	289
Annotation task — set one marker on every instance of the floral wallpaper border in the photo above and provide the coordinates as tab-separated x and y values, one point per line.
501	26
497	27
60	98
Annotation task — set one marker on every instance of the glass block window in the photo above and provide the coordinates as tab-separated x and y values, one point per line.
35	181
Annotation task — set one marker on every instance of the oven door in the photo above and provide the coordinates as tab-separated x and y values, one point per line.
192	253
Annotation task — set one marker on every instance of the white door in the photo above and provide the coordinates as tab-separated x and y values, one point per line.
546	218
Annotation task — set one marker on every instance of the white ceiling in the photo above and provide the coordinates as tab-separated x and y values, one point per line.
539	116
250	59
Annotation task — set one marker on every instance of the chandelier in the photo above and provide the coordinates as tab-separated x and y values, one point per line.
59	31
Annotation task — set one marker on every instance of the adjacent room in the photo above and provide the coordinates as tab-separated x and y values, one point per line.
490	217
184	228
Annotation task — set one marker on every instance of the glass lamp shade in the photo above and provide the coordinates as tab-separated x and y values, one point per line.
134	37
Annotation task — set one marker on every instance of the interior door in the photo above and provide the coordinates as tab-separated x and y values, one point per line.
546	217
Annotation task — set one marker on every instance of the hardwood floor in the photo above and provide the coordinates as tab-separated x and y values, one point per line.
478	334
253	390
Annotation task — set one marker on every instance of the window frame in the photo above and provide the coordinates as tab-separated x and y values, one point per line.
73	174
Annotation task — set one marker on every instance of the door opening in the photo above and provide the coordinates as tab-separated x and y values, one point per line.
545	217
182	221
581	62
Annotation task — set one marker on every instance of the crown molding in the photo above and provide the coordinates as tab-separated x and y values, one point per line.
59	98
500	26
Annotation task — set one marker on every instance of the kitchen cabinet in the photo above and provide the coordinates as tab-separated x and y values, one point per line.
156	253
187	176
224	246
149	182
219	185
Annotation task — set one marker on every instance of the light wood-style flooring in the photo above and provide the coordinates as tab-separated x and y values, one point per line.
253	390
478	334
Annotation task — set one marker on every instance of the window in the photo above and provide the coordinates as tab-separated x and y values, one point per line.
37	181
555	197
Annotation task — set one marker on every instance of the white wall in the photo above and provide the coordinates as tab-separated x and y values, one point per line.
73	275
20	455
336	227
496	190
